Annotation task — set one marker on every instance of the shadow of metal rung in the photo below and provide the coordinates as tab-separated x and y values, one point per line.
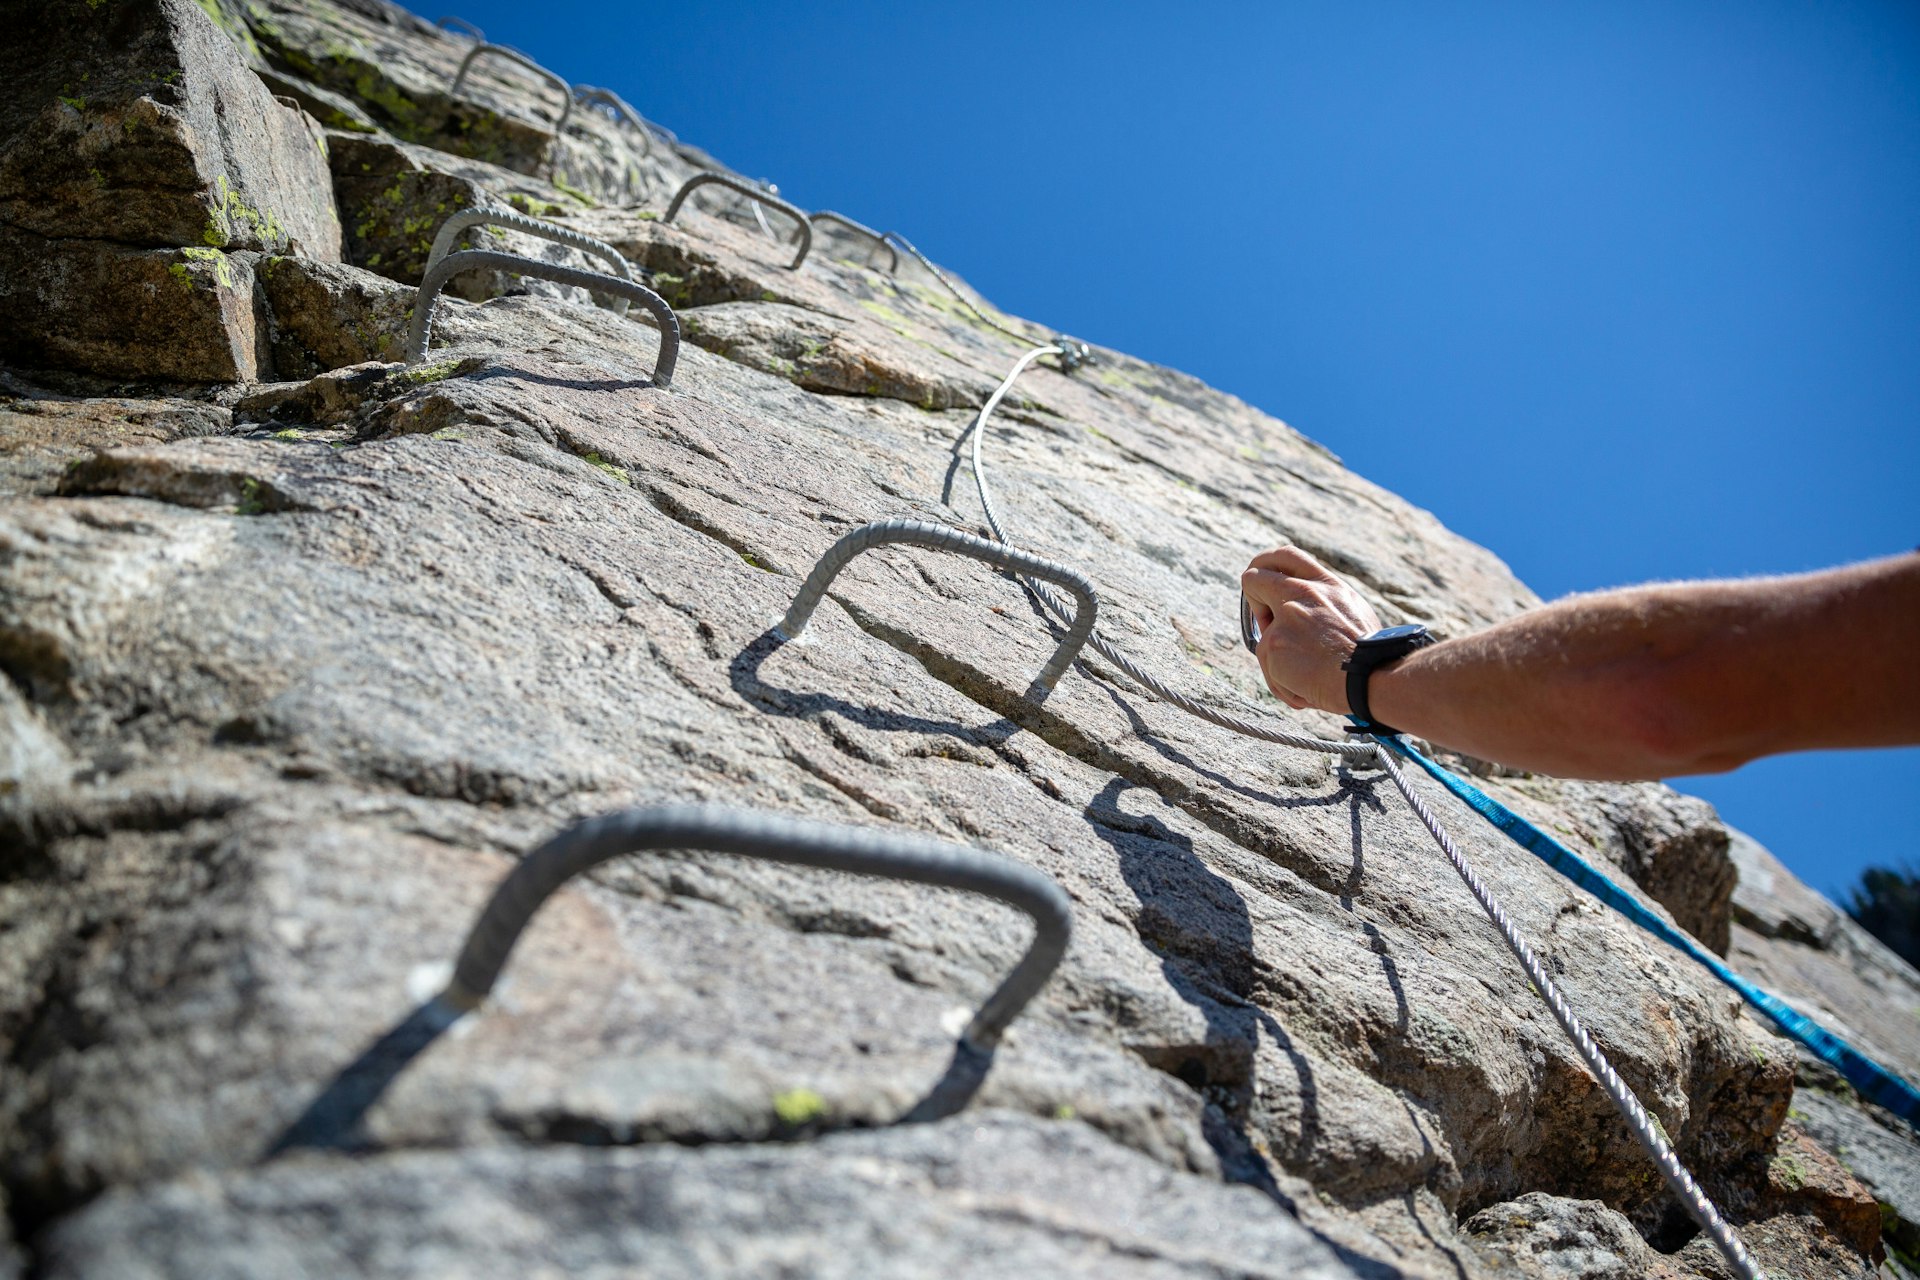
774	838
490	260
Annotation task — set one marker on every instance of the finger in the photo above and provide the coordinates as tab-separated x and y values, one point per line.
1273	589
1290	559
1283	693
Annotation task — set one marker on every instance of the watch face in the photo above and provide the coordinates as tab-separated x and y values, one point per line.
1389	635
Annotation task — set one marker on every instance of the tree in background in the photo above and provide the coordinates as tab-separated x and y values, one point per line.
1887	905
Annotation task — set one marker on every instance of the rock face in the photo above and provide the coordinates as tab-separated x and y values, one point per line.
143	168
298	662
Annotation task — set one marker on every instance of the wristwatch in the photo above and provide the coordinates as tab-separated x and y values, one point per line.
1370	653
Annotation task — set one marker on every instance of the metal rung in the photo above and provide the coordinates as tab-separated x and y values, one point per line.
842	220
588	95
450	231
451	23
514	55
752	192
918	533
490	260
775	838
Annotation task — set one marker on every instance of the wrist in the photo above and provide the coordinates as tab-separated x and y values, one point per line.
1392	694
1367	679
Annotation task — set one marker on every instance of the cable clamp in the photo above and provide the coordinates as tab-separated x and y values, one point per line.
1072	354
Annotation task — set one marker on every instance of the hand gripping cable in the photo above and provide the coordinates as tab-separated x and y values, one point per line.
918	533
751	192
1643	1127
489	217
489	260
774	838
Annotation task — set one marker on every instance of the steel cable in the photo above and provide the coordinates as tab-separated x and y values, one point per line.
1642	1125
775	838
954	289
1107	649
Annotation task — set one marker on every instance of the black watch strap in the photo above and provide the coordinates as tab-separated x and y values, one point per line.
1369	654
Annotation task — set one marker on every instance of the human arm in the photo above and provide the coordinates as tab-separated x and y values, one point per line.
1642	682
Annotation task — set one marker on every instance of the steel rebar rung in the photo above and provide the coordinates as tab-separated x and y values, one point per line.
774	838
590	95
918	533
858	228
753	193
451	23
514	55
450	231
491	260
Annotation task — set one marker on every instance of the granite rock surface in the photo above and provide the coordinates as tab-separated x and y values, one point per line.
302	648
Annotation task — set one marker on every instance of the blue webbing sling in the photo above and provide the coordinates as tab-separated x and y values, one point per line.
1875	1083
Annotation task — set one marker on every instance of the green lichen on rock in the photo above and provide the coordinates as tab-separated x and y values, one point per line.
796	1107
437	371
576	192
222	270
252	498
595	460
534	206
235	29
230	218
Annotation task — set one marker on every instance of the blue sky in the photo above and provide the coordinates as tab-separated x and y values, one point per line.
1622	291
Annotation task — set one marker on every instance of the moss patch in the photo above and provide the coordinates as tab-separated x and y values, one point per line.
594	459
796	1107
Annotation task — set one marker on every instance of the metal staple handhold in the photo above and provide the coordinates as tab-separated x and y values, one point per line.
451	23
514	55
918	533
490	260
588	95
863	851
841	219
450	231
747	189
